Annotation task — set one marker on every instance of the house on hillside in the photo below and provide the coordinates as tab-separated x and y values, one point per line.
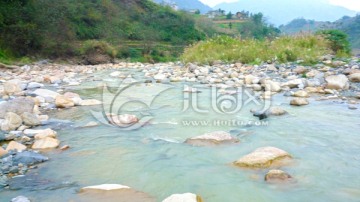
215	13
242	15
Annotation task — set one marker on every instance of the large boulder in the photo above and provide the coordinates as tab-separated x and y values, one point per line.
46	143
63	102
17	106
299	101
30	119
12	122
272	86
12	86
74	97
272	111
46	93
15	146
45	133
301	93
337	82
29	158
263	158
187	197
277	176
295	83
354	77
213	138
112	193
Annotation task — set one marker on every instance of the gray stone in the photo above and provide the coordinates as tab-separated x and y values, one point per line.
30	119
12	122
29	158
17	106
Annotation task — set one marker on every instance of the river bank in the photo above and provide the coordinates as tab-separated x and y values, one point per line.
43	104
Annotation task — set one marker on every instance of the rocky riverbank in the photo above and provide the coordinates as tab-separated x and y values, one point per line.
30	92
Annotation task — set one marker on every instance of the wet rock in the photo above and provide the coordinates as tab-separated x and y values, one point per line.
30	119
299	101
65	147
122	120
46	93
46	143
295	83
276	111
160	77
20	199
115	74
112	193
90	102
29	158
187	197
74	97
354	77
12	87
301	93
3	181
213	138
357	95
15	146
2	152
300	70
277	176
63	102
45	133
337	82
352	107
263	158
272	86
17	106
12	122
33	85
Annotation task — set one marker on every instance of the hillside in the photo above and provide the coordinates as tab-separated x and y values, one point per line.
59	28
188	4
350	25
281	12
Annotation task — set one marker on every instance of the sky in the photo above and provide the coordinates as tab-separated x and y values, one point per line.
350	4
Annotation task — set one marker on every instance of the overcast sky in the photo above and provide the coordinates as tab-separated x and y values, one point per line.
350	4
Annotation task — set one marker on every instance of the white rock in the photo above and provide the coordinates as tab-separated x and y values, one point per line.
187	197
46	93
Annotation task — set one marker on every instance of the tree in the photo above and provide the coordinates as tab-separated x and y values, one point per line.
229	16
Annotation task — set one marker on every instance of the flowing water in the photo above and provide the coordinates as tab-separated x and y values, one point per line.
323	138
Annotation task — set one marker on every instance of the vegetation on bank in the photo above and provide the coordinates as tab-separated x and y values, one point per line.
307	48
61	28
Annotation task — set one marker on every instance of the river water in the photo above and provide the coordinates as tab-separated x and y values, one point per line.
323	138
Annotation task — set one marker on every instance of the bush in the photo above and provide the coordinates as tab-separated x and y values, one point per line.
338	41
101	47
283	49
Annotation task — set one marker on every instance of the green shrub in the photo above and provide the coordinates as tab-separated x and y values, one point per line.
251	51
338	41
94	46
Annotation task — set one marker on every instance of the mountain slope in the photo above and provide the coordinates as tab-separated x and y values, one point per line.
53	28
349	25
283	11
188	4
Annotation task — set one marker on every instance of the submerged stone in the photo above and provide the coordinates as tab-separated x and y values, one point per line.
112	193
213	138
277	176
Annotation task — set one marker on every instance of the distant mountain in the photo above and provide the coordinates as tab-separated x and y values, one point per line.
349	25
283	11
188	4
